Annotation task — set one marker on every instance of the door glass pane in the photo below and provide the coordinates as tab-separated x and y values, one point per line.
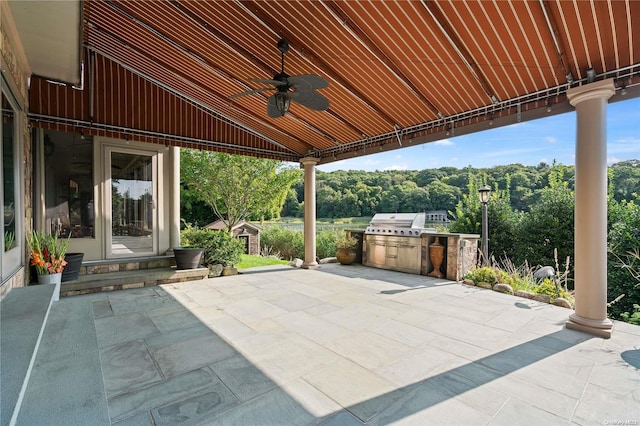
68	165
132	205
9	175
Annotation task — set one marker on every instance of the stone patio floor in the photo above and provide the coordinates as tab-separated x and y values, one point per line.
340	345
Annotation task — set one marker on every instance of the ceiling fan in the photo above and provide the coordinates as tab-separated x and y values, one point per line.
297	88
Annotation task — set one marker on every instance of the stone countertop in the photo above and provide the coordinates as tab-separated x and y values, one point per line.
450	234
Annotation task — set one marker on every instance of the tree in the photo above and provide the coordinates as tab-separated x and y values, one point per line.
325	200
291	205
443	196
624	245
237	187
468	215
549	224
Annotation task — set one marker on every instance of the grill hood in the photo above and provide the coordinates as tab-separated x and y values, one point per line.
398	220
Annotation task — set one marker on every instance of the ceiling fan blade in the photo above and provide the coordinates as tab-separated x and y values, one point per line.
265	81
308	81
272	108
310	99
250	92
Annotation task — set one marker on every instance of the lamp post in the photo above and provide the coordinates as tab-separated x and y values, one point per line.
484	193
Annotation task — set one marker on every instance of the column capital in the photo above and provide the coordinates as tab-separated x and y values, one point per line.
309	161
599	89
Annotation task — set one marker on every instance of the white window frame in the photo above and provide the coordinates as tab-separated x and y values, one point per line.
13	259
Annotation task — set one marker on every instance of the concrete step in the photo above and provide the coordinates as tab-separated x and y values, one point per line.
94	283
23	315
105	266
66	386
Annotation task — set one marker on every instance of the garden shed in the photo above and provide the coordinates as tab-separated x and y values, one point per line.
244	230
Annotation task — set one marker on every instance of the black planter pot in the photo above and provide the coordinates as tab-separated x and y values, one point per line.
72	270
187	258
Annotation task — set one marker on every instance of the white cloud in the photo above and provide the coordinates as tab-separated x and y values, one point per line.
510	152
628	139
612	160
396	167
444	142
371	162
550	139
628	144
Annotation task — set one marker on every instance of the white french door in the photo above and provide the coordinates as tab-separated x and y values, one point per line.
131	178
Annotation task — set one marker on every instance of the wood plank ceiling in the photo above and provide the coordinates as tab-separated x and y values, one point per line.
400	72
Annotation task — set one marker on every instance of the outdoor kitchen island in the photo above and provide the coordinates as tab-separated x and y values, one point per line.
400	242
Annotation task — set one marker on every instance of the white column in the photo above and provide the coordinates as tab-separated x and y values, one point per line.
590	313
309	164
174	213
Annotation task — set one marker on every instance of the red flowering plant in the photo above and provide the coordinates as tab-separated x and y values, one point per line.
47	252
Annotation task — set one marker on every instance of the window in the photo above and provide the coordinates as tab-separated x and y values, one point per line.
12	224
68	164
8	175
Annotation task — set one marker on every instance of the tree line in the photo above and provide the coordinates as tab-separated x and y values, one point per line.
355	193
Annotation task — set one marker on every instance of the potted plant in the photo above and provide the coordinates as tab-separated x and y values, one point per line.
189	254
346	249
71	272
187	257
47	256
220	248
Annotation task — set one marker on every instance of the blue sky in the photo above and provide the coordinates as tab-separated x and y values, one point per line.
527	143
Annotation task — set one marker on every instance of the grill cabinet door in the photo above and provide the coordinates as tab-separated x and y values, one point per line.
409	257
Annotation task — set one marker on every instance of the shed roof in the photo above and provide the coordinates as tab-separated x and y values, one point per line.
220	225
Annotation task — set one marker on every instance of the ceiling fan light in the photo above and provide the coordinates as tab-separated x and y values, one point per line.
282	102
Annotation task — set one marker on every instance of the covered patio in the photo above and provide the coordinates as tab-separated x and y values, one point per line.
335	345
340	345
161	75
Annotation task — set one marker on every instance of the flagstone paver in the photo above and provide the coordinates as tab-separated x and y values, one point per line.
351	345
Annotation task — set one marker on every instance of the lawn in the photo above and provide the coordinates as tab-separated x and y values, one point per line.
249	261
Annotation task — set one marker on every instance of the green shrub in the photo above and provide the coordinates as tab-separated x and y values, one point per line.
632	318
549	288
501	276
624	241
549	225
485	274
287	243
326	242
220	247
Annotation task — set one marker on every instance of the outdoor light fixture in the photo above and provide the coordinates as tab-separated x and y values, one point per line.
623	91
484	194
591	75
282	102
569	77
451	130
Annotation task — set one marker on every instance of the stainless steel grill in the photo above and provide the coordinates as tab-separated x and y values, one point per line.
398	224
392	241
